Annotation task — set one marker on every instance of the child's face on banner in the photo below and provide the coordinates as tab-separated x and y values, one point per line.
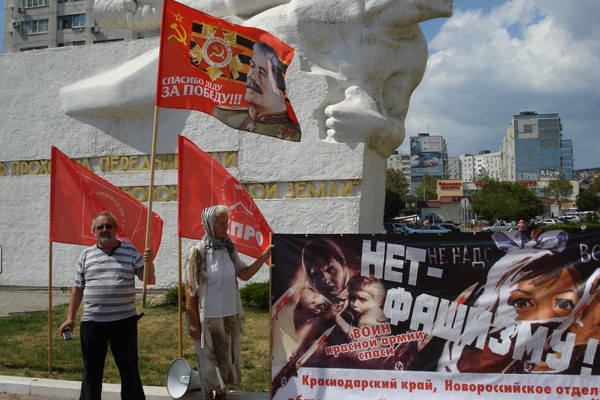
363	301
552	299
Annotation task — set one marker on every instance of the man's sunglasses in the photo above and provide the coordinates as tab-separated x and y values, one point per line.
107	226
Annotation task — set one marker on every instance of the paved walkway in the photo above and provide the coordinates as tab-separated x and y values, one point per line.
20	301
16	301
12	396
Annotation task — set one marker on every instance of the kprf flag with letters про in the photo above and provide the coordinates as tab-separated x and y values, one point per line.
204	64
77	195
204	182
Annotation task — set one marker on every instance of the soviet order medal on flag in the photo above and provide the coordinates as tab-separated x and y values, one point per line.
203	182
77	195
231	72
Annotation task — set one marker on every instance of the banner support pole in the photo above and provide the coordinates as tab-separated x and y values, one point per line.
150	197
50	309
271	326
179	303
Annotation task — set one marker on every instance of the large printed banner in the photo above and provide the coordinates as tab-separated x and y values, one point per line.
508	315
232	72
426	156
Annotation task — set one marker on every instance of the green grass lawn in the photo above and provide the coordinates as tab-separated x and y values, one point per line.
24	348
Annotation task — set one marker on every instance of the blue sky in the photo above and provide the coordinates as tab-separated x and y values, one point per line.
495	58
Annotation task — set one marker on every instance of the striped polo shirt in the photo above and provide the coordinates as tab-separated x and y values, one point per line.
108	280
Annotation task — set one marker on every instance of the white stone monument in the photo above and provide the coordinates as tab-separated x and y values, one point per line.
356	64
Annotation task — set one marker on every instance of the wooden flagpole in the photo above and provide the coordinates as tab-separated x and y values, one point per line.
150	197
179	305
271	324
50	309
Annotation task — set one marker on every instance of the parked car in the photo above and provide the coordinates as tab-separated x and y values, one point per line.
450	226
569	219
396	227
431	229
401	227
546	222
388	227
499	226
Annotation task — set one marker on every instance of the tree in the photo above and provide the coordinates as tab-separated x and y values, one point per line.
427	190
410	199
529	205
559	191
393	204
396	181
588	200
482	175
509	201
396	188
595	184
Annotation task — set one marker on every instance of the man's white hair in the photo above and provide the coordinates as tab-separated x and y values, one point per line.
105	214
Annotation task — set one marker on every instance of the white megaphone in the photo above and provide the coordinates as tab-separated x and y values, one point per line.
181	379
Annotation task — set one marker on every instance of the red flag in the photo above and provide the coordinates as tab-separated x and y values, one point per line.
232	72
203	182
77	195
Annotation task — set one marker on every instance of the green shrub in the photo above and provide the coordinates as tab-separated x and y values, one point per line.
171	295
256	295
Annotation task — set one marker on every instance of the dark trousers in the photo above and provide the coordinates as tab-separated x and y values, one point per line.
122	338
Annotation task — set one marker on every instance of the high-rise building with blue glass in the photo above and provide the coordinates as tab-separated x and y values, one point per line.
533	149
566	156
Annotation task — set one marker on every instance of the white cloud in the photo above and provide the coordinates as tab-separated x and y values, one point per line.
485	66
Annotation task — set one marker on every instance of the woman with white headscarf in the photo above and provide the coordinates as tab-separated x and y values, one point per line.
214	307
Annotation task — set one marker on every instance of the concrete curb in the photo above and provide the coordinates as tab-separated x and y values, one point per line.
69	389
110	391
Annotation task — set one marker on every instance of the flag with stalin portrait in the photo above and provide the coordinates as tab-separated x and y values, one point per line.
232	72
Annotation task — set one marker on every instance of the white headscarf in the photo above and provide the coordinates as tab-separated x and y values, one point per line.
209	239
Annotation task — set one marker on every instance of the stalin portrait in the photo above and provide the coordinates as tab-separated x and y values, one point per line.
265	93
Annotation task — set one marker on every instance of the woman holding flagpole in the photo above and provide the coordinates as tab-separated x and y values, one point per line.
215	316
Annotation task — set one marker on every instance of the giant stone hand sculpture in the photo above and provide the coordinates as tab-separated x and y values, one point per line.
371	52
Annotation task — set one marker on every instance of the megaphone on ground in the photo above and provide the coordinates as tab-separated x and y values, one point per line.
182	379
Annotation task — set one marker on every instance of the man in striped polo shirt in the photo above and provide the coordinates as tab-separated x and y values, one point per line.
105	281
